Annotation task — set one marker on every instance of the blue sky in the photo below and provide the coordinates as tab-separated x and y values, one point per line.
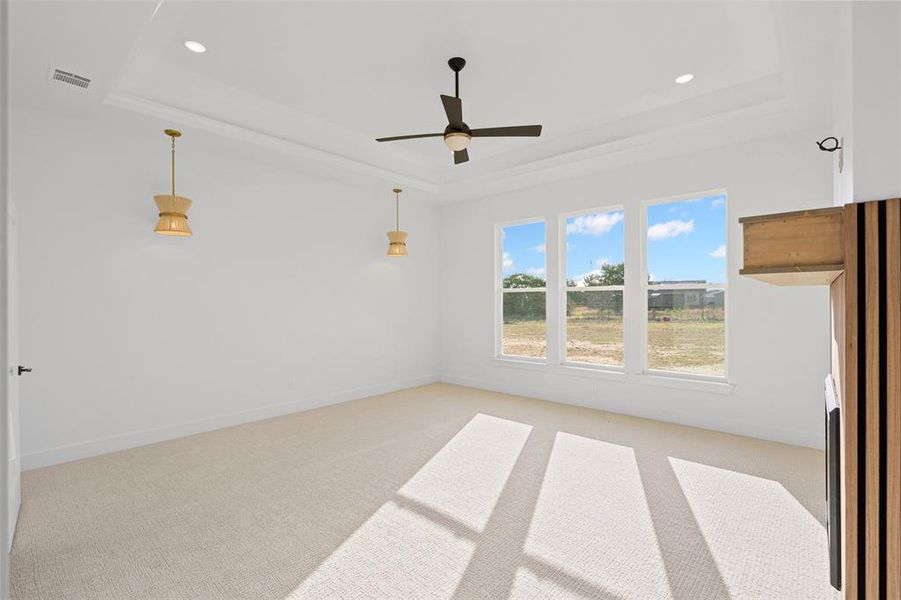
593	240
686	240
524	249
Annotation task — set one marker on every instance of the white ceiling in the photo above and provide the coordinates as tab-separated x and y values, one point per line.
321	80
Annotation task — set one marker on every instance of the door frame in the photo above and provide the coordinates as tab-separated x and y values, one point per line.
4	295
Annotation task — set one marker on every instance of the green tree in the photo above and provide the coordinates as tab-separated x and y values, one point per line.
608	304
611	274
523	280
525	305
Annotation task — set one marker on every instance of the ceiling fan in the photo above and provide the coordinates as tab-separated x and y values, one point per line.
457	134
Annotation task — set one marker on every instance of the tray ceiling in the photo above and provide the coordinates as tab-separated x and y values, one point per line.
323	79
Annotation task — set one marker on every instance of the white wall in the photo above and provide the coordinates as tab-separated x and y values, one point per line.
777	337
283	299
867	102
876	104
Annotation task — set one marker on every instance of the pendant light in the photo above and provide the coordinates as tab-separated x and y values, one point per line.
397	239
173	209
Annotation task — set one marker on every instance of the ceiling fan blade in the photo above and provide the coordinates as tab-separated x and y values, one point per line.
516	131
454	110
461	157
408	137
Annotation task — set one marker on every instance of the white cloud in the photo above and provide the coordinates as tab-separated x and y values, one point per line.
670	229
507	262
598	224
719	252
717	202
600	262
540	248
580	279
536	271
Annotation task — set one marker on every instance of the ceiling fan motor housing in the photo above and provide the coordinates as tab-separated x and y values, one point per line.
453	129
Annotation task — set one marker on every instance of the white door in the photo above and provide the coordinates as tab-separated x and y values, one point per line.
15	466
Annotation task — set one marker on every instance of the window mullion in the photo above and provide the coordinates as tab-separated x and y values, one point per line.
634	296
552	298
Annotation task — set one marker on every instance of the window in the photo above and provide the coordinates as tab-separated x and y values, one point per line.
685	266
594	284
521	290
666	320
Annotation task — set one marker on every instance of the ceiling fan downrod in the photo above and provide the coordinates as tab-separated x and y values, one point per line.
456	64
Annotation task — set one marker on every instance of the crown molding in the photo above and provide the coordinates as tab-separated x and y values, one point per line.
265	140
697	136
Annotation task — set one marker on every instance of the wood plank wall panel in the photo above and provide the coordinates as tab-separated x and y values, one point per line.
849	406
870	406
871	400
893	396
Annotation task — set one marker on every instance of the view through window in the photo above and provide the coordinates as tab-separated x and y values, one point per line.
523	283
686	285
595	276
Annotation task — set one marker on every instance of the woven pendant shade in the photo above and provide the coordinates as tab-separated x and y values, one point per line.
173	210
397	243
173	215
397	239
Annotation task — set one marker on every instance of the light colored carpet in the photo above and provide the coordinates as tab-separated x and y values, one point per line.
433	492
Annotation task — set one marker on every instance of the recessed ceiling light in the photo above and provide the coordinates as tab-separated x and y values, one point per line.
195	47
684	78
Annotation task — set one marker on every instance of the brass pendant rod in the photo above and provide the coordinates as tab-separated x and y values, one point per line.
173	165
173	133
397	192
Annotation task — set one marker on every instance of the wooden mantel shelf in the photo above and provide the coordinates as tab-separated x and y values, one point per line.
795	275
795	248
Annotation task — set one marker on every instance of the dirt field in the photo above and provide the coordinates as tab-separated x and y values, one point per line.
689	345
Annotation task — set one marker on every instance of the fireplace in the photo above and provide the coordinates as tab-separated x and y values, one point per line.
833	483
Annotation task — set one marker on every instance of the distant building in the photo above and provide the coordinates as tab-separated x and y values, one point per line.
689	298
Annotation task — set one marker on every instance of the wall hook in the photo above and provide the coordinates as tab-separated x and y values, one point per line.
836	145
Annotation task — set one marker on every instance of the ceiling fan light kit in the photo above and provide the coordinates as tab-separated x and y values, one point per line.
457	134
457	140
173	210
397	239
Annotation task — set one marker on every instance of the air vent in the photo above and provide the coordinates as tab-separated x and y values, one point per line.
70	78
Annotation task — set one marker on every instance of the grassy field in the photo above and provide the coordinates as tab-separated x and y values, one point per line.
682	343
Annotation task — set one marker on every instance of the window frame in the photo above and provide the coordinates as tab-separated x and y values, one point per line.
499	292
563	289
646	287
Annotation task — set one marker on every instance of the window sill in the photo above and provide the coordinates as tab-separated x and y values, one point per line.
511	362
709	386
592	372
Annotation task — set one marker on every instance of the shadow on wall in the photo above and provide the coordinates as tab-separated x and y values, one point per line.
441	492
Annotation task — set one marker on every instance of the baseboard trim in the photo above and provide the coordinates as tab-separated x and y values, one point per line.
773	434
62	454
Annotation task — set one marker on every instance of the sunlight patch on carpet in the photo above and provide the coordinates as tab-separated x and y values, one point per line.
592	521
396	553
466	477
745	521
402	551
